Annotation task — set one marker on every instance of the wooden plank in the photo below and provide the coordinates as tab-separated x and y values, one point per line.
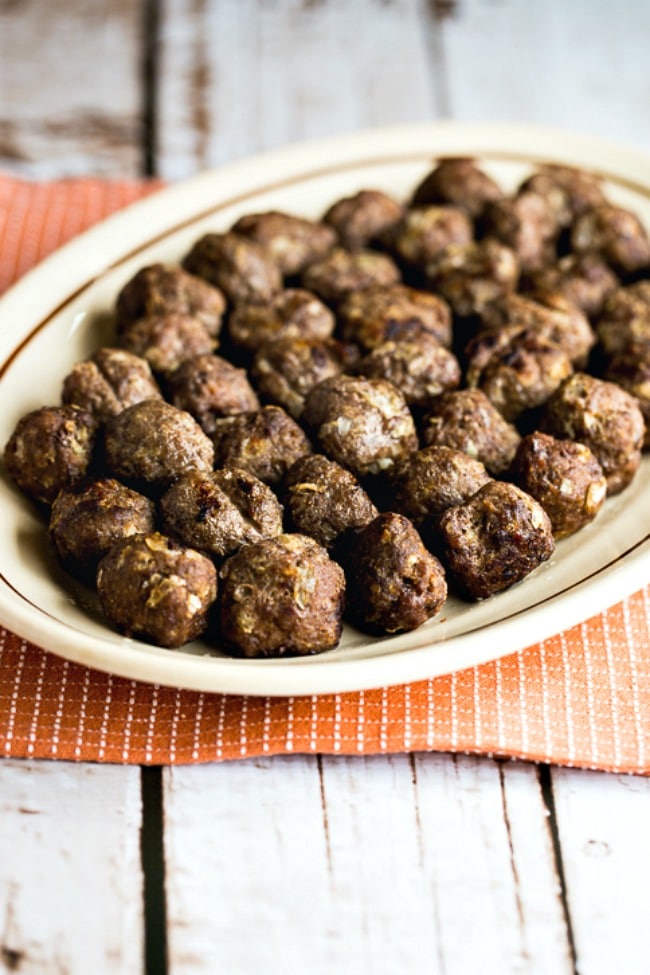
602	824
576	65
383	867
70	880
70	87
245	75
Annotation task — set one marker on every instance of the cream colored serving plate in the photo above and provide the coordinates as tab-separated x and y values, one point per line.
60	312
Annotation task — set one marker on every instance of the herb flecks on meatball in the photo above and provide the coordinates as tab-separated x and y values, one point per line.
152	443
154	589
363	424
494	540
217	512
281	597
393	583
50	449
324	500
89	518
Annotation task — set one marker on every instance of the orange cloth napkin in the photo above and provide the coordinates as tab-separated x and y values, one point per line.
581	698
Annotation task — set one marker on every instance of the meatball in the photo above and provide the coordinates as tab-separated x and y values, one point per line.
285	370
209	387
604	417
568	191
582	279
154	589
279	597
550	315
292	242
293	313
395	312
632	373
324	500
471	276
160	289
393	583
527	224
343	271
167	340
425	232
50	449
434	479
219	511
516	368
624	325
239	266
108	382
361	219
152	443
466	420
89	518
266	443
564	476
362	424
616	234
421	368
459	182
494	539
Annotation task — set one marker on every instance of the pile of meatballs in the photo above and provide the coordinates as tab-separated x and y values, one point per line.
311	421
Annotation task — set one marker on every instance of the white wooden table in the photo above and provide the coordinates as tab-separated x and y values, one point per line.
408	864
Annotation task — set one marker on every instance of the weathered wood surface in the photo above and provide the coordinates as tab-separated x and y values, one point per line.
378	865
410	863
70	876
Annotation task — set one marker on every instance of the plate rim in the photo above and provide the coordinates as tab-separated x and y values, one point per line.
149	221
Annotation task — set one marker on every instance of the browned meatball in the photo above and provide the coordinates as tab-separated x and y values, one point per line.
362	424
434	479
384	313
152	443
360	219
109	381
494	540
470	277
460	182
285	370
343	271
582	279
527	224
167	340
466	420
421	368
631	372
603	416
393	583
281	596
616	234
422	234
567	190
162	288
242	268
564	476
292	242
209	387
50	449
324	500
516	368
266	443
624	325
154	589
88	519
550	315
219	511
293	313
